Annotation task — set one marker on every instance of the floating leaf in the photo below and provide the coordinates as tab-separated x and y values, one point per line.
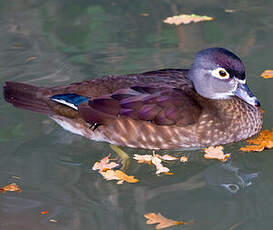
161	221
118	175
11	188
159	167
143	158
29	59
264	140
183	159
104	165
267	74
216	153
156	160
186	19
168	157
53	220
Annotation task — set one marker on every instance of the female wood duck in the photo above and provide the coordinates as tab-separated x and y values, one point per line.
209	104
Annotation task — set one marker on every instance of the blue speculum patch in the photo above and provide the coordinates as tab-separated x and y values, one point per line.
70	99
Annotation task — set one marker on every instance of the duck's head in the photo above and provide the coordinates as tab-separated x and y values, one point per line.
217	73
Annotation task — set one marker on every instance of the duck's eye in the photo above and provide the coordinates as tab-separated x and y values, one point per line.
222	73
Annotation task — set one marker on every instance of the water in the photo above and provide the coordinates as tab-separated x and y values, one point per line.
55	42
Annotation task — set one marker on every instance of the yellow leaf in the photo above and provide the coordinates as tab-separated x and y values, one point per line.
264	140
118	175
267	74
11	188
104	165
183	159
186	19
161	221
216	153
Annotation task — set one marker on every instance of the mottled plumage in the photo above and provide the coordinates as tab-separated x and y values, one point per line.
209	104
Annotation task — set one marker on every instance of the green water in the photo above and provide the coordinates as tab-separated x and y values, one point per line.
59	42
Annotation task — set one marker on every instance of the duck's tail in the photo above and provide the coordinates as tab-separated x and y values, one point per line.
26	97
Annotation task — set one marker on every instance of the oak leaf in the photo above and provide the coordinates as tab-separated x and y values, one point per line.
186	19
11	188
216	153
104	165
161	221
267	74
264	140
118	175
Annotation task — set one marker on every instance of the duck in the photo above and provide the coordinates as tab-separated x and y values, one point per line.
208	104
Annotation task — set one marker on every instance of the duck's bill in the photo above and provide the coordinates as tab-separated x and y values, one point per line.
242	91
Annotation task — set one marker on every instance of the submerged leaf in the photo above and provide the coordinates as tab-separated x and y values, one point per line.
186	19
264	140
161	221
216	153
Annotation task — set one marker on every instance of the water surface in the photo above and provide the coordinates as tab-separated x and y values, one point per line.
56	42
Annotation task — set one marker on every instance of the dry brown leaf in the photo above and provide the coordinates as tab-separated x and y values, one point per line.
11	188
216	153
186	19
183	159
267	74
104	165
161	221
118	175
264	140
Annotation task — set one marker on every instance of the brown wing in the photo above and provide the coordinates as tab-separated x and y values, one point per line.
161	106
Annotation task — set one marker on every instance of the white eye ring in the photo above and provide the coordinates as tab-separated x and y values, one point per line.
220	73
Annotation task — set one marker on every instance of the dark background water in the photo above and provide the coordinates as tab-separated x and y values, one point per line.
59	42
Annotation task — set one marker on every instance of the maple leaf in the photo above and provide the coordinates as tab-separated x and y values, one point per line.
161	221
216	153
104	165
118	175
186	19
267	74
11	188
264	140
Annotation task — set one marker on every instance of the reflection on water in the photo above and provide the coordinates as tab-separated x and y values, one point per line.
56	42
